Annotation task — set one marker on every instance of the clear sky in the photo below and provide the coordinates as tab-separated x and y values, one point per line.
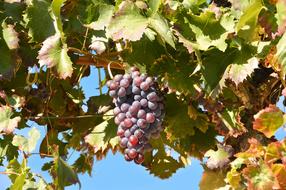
113	172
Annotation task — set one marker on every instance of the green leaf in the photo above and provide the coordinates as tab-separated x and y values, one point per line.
13	168
164	166
7	123
280	55
160	25
105	16
19	182
27	144
84	163
178	122
220	157
54	54
10	36
103	136
231	120
6	61
64	174
16	101
127	23
209	31
268	120
154	6
247	24
7	150
215	70
56	15
212	180
38	20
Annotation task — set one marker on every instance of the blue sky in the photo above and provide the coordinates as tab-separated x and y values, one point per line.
113	172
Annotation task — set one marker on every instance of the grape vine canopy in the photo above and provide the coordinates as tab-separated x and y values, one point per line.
219	65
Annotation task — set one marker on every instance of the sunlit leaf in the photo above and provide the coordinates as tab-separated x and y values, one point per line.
164	166
268	120
10	36
54	54
105	16
212	180
246	27
127	23
160	25
220	157
7	122
27	144
259	177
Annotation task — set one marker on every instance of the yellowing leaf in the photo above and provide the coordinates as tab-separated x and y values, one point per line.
54	54
279	171
7	123
239	72
164	166
268	120
259	177
10	36
103	136
219	158
27	144
212	180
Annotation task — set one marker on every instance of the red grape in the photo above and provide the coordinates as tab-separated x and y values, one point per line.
133	140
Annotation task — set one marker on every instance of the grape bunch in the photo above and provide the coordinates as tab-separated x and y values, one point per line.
139	112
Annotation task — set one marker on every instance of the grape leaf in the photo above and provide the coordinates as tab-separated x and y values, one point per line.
6	61
7	150
231	119
19	182
164	166
212	180
238	72
160	25
279	171
259	177
220	157
10	36
64	174
52	54
13	168
7	123
84	163
268	120
280	56
105	16
196	145
27	144
103	136
127	23
38	20
281	17
246	26
178	122
209	31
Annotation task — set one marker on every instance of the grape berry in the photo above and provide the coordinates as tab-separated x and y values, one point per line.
138	112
